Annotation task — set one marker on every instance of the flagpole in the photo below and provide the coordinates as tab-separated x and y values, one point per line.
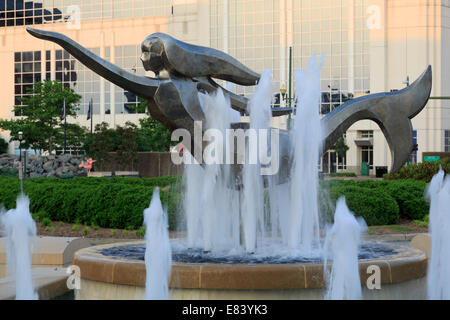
65	127
92	107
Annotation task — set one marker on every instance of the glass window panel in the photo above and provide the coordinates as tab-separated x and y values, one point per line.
27	56
27	67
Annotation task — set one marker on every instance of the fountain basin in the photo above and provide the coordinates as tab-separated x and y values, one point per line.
402	276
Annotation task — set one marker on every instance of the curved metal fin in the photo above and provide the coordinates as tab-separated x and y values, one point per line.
141	86
391	111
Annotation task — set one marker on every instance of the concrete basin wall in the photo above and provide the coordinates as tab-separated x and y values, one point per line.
402	277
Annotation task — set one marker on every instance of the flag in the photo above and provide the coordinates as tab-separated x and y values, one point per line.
63	110
89	113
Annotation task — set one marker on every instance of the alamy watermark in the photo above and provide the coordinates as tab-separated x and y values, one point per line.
73	18
220	148
74	280
374	280
374	17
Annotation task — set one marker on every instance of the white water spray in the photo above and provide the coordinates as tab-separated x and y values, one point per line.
158	253
20	230
343	239
306	140
259	108
438	276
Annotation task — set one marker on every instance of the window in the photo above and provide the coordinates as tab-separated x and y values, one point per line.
127	57
366	134
33	12
27	70
447	141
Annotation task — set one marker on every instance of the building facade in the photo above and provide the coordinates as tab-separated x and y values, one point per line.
369	46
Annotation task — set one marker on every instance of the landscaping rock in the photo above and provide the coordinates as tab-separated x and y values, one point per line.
48	166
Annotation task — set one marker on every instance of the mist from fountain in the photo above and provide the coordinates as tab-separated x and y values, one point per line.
20	231
438	276
306	138
158	252
343	241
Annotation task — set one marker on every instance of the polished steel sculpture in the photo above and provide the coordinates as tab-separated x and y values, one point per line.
173	100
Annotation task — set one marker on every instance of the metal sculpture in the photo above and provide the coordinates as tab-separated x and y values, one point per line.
174	100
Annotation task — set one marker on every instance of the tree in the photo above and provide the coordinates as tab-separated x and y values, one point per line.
128	147
42	127
3	146
99	144
341	148
152	135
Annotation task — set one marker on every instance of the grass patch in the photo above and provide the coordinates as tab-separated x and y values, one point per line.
393	227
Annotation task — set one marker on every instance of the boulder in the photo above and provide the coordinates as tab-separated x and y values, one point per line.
48	166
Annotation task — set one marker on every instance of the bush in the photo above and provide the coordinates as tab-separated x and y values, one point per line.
376	206
342	174
421	171
409	195
3	146
46	222
9	172
140	232
109	203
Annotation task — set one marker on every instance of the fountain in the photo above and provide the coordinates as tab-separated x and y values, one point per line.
158	257
438	278
20	229
250	235
344	239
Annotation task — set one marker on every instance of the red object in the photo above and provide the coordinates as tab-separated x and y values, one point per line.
180	148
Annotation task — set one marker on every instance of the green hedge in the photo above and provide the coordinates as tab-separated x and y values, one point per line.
119	202
377	201
421	171
376	206
109	203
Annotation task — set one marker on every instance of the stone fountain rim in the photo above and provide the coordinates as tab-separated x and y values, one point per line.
409	264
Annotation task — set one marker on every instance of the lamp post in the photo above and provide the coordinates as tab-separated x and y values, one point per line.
20	134
287	102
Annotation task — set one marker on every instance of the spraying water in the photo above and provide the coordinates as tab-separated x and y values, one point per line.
221	218
438	277
253	184
158	255
306	140
20	229
343	239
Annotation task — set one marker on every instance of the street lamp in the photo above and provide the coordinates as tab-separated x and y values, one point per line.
283	92
20	135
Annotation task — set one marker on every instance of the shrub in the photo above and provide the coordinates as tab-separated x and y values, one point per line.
3	146
376	206
46	222
75	227
60	224
409	195
99	202
113	232
140	232
125	233
342	174
422	223
86	230
9	172
421	171
50	228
